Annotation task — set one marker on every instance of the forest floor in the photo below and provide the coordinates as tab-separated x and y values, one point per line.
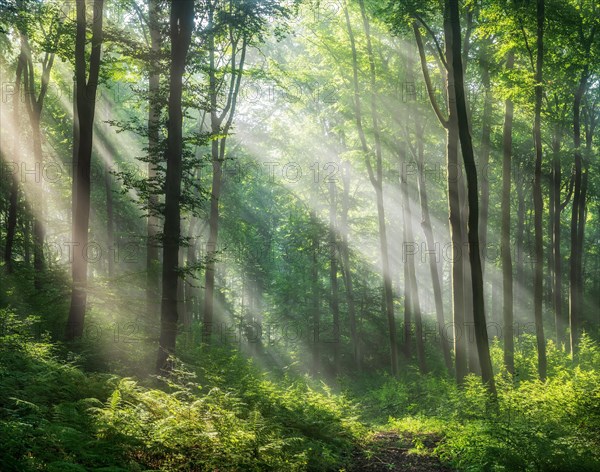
388	451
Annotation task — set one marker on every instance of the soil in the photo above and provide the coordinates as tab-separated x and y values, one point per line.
389	451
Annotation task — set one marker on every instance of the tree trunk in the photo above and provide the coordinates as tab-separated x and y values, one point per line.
453	175
211	243
181	287
26	239
182	24
580	240
431	251
407	328
538	202
473	199
154	108
34	105
559	320
11	225
484	156
315	295
86	102
346	271
505	249
575	306
456	233
375	175
469	332
110	225
218	160
410	280
333	263
190	289
519	241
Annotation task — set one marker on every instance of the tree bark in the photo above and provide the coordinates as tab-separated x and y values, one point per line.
410	280
375	175
407	328
431	251
333	266
453	174
11	225
182	25
472	196
519	241
484	156
154	108
315	292
456	231
538	202
218	159
346	271
190	288
469	331
575	305
110	225
559	320
86	103
505	249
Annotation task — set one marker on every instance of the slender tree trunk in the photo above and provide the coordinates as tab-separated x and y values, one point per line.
110	225
154	108
453	175
456	233
559	320
111	150
591	118
218	160
497	308
407	328
538	202
315	294
410	279
86	101
34	104
431	250
375	175
470	341
519	242
182	25
181	287
574	289
211	244
11	225
190	288
333	263
484	156
346	270
377	180
39	233
25	228
581	238
505	249
473	199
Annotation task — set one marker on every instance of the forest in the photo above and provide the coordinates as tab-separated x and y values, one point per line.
299	235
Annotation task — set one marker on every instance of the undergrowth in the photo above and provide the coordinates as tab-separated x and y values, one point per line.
226	416
219	411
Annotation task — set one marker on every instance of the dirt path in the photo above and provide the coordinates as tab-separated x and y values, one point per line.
390	452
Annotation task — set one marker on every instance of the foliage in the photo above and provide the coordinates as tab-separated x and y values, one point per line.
56	417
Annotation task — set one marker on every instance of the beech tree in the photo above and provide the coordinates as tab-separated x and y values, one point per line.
86	85
181	22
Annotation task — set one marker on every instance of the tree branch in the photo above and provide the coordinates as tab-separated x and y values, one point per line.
432	99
